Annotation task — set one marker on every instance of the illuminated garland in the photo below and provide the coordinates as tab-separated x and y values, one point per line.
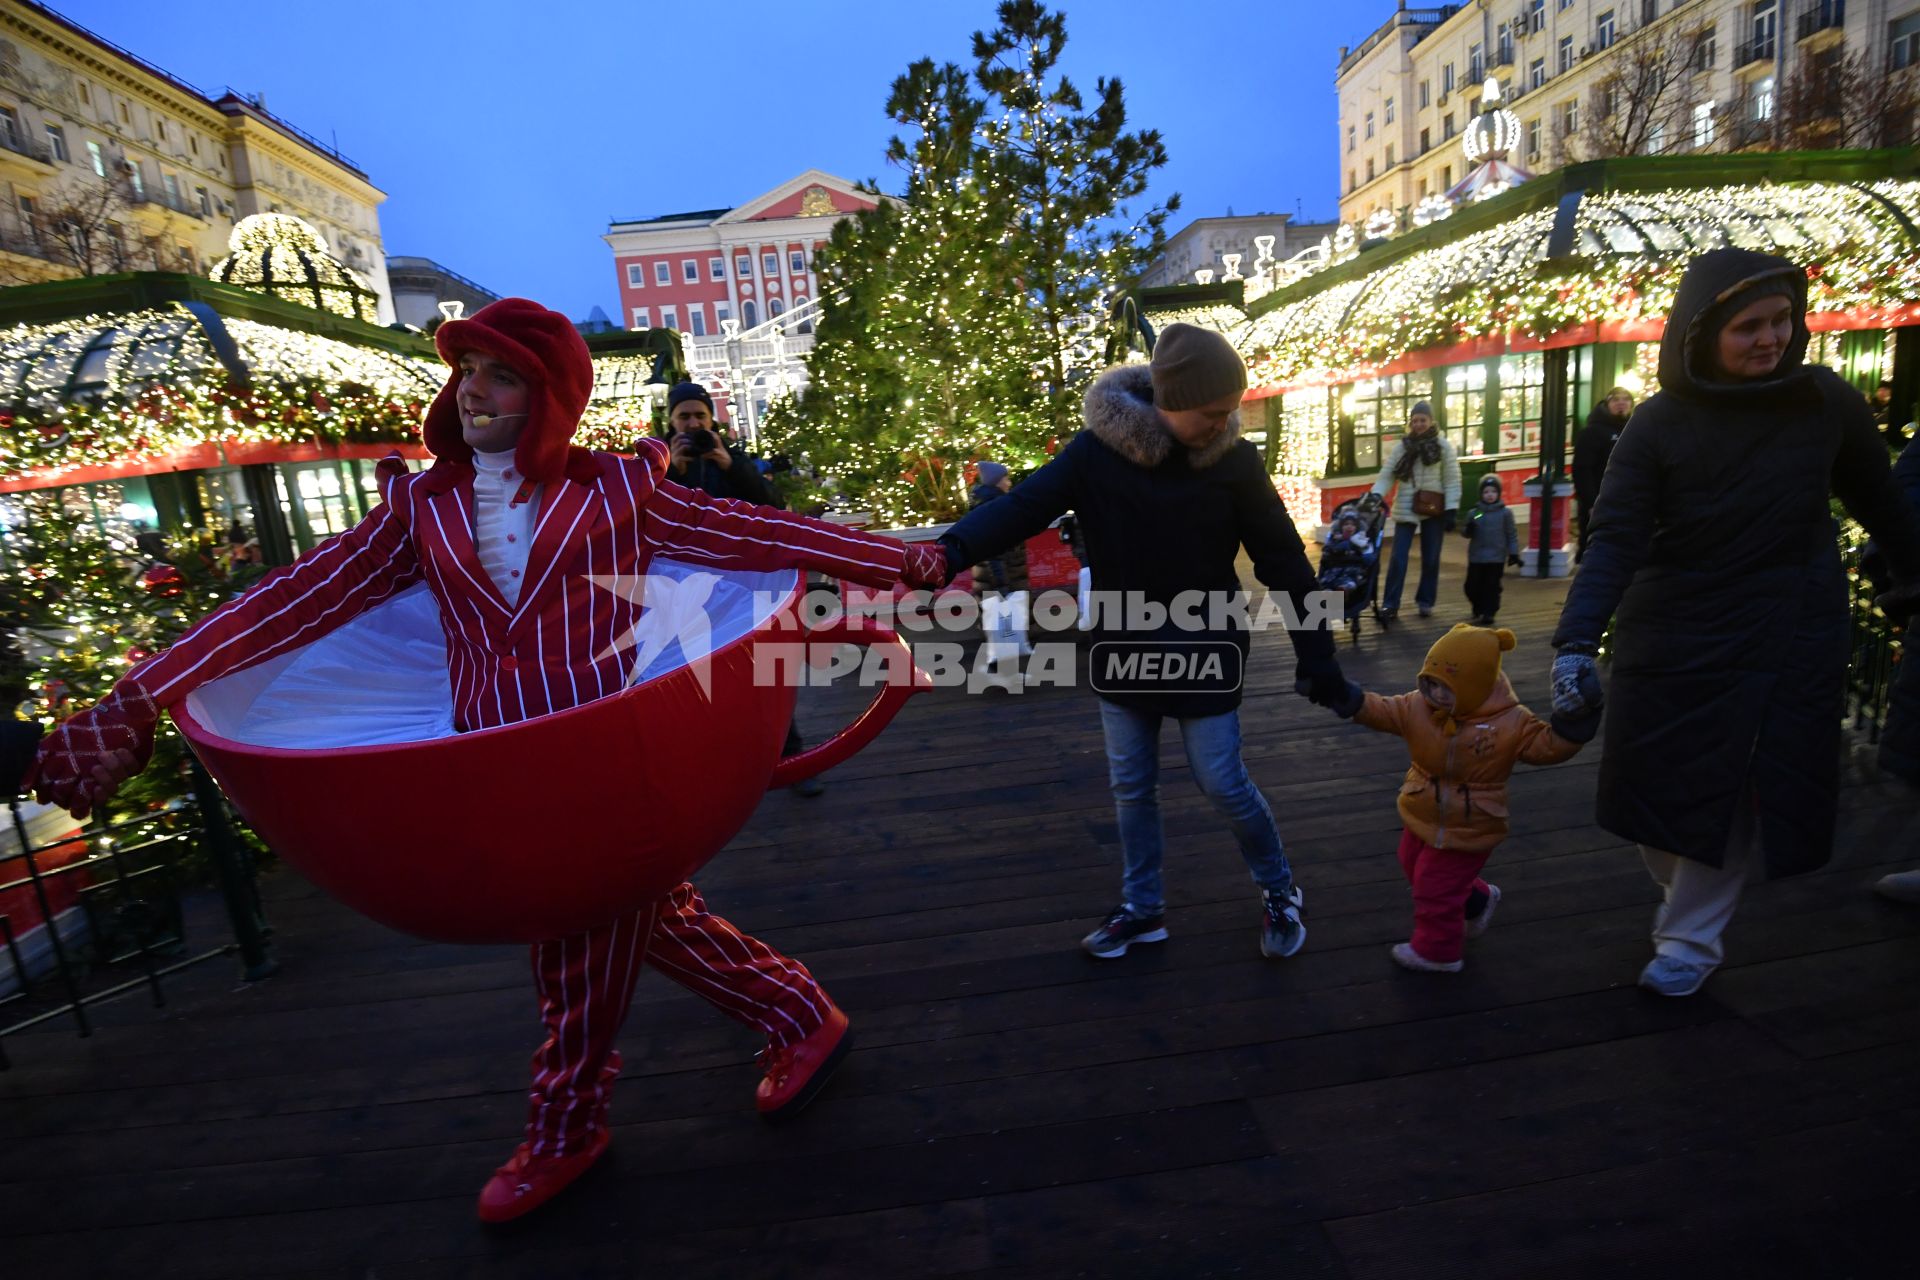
1632	251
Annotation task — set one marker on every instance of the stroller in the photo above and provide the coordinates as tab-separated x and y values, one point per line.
1353	572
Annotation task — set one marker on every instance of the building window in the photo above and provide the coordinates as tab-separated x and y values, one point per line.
743	266
1705	50
1425	97
636	277
1569	118
193	143
697	320
1533	139
1446	177
1421	193
1369	130
1353	181
137	179
1536	16
205	200
690	270
1389	155
1446	126
97	158
662	273
1702	126
796	262
1903	40
1369	168
1565	63
669	318
1603	31
717	268
722	313
770	265
57	140
1603	96
9	127
1476	65
86	94
1426	141
1536	73
1389	110
774	307
160	127
122	111
641	320
1446	80
1765	15
1351	131
1657	138
172	184
749	314
1565	5
1763	99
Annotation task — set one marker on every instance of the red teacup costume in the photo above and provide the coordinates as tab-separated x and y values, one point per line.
598	514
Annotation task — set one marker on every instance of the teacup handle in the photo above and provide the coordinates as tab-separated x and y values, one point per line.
886	704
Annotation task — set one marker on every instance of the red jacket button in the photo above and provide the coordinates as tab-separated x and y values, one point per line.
509	663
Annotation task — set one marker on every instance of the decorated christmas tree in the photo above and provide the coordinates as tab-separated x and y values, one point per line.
82	605
961	321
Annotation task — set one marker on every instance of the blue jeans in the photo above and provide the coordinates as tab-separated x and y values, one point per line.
1213	750
1433	535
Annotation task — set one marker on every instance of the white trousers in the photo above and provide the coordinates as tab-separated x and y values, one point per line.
1700	899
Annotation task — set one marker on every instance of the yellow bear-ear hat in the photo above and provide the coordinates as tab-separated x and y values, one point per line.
1467	661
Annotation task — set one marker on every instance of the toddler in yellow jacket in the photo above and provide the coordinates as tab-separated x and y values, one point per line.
1464	731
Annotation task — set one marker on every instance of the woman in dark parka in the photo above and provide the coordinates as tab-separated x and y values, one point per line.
1714	551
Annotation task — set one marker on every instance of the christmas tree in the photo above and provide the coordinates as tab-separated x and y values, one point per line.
961	320
81	605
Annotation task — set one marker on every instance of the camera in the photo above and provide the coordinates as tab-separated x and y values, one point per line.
701	441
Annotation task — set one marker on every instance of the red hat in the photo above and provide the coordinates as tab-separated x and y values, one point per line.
541	346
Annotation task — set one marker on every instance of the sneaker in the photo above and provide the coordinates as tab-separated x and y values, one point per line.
1426	611
1478	922
796	1073
1666	976
1281	933
1901	886
1121	930
526	1181
1407	958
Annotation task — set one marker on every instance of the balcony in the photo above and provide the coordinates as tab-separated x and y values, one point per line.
162	200
1827	15
36	151
1753	51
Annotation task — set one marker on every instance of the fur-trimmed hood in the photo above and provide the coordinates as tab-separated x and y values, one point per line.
1120	414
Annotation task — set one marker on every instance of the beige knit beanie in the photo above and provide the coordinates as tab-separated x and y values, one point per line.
1194	366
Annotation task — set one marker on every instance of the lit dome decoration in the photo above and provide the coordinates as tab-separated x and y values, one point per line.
1494	133
279	254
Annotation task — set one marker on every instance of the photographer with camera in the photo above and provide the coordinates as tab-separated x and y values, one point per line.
704	461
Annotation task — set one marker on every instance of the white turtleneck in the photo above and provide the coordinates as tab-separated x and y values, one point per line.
502	533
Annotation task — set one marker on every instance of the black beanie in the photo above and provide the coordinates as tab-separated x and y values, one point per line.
688	391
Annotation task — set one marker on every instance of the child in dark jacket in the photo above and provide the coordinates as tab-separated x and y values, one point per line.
1464	731
1494	544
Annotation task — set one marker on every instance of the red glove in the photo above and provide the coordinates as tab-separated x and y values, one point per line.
927	565
87	756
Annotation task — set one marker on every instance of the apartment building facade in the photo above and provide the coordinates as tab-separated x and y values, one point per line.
91	130
1691	75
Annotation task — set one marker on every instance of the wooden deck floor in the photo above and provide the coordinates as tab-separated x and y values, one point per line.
1017	1109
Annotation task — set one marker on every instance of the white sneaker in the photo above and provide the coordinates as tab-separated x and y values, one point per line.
1477	925
1407	958
1901	886
1666	976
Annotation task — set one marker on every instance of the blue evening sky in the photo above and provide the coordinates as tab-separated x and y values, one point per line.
507	135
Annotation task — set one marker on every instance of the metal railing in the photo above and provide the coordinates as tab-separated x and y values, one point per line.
1822	16
13	142
178	204
92	914
1753	51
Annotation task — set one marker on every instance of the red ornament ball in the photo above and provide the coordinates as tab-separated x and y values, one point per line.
163	580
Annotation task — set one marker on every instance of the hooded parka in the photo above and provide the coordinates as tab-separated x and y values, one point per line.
1714	551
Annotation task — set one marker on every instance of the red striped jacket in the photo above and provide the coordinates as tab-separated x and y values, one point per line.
545	654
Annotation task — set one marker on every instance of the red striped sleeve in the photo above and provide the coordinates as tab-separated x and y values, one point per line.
330	585
686	524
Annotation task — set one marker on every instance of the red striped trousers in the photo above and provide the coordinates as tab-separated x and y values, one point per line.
586	981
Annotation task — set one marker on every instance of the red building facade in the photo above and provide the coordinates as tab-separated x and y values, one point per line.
693	271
